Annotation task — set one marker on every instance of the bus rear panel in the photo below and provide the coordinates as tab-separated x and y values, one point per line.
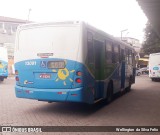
48	69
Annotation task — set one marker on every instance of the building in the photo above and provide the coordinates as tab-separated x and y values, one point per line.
8	27
134	42
142	59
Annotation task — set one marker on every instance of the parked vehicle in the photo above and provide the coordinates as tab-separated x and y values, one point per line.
145	70
154	66
3	63
138	72
71	62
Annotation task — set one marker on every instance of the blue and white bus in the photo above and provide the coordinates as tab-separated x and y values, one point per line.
71	62
3	63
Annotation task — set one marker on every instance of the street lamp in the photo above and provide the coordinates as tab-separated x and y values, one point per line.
122	32
126	34
29	14
136	59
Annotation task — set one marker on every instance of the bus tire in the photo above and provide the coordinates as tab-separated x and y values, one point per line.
153	79
1	79
138	74
109	96
129	87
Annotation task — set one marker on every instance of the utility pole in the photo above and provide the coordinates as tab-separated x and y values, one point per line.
29	14
122	32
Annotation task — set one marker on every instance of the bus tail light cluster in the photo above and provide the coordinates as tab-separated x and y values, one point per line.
17	77
79	75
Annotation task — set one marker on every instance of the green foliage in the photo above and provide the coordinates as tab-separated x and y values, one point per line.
152	41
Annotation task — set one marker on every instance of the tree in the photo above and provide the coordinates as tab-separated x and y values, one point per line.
151	43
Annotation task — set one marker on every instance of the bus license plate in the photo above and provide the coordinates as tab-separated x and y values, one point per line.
45	76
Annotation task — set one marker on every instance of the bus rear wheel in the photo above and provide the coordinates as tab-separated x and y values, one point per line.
130	83
109	96
1	79
128	88
153	79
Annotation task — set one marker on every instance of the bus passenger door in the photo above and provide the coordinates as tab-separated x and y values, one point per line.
99	47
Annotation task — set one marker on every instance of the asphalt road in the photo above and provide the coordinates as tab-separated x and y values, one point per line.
139	107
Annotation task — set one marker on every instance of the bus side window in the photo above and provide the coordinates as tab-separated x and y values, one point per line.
119	54
116	53
126	56
133	59
90	48
108	52
130	57
122	55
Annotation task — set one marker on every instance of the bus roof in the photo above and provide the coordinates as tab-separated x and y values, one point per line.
31	25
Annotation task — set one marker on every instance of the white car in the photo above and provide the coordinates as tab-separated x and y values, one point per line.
144	70
138	72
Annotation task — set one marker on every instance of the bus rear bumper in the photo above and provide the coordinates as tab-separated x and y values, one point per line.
56	95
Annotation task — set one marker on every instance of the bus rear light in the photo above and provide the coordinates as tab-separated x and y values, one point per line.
78	73
17	78
63	92
16	72
27	91
59	92
78	80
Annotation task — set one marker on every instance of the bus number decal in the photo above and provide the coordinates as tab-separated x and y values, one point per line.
30	63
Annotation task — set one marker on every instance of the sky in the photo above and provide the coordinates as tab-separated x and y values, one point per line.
110	16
